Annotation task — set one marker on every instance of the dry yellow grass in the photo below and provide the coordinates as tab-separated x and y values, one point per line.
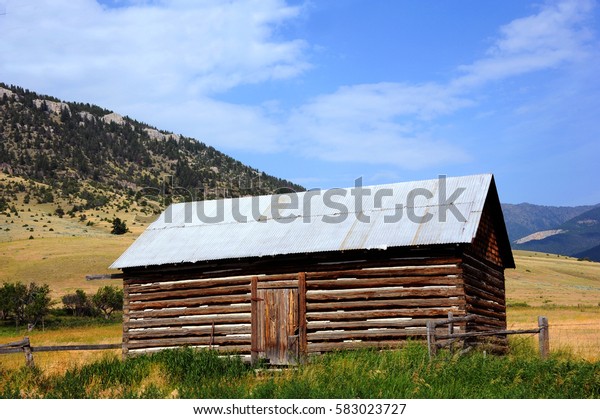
58	362
61	262
565	290
541	279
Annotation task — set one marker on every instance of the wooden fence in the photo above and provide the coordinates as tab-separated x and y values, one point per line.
25	347
448	340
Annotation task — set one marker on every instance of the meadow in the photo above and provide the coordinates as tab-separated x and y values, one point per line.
392	374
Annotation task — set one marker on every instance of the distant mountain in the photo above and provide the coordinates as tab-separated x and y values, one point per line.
591	254
83	153
525	219
573	237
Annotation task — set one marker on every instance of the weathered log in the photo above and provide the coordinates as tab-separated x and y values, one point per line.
395	303
386	272
191	302
479	291
183	341
338	346
485	304
366	324
188	293
196	311
379	314
333	284
155	286
363	334
217	330
191	321
380	293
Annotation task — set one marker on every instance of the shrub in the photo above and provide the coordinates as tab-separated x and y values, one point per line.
118	226
108	299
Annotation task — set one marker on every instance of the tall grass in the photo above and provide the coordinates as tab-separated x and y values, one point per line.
406	373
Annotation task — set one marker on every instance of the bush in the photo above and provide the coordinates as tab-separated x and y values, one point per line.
78	303
108	299
25	304
119	227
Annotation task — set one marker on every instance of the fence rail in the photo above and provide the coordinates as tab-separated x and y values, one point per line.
25	347
451	337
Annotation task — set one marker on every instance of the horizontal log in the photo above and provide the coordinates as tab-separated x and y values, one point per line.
179	281
190	321
239	350
379	314
100	347
483	265
386	272
332	284
461	319
363	334
379	293
338	346
484	282
4	351
191	302
183	341
485	304
486	313
155	286
188	293
196	311
487	333
265	285
484	321
18	344
483	291
351	325
484	327
96	277
396	303
181	332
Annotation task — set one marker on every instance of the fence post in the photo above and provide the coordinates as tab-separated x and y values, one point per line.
431	344
451	331
544	337
28	353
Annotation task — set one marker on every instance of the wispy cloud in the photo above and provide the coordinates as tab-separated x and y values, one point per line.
149	49
390	123
557	34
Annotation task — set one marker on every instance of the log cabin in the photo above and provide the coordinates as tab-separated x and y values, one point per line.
286	276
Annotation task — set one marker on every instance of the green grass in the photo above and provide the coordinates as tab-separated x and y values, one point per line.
406	373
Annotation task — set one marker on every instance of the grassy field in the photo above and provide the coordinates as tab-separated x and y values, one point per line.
61	262
399	374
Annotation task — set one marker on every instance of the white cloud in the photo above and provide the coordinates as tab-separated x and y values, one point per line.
148	50
554	36
391	123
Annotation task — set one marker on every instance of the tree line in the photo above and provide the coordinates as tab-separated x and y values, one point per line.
31	304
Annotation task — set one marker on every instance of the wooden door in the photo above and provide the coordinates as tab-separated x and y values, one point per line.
275	325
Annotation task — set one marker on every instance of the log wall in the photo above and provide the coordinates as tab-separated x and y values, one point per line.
347	304
483	275
382	306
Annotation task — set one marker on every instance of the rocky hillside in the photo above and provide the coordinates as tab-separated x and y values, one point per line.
85	152
62	144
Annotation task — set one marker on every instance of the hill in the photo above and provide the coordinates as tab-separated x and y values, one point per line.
590	254
573	237
525	219
90	156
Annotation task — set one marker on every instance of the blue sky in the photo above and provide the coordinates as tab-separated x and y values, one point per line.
323	92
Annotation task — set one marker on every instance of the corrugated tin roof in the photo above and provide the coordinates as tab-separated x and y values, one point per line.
312	221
